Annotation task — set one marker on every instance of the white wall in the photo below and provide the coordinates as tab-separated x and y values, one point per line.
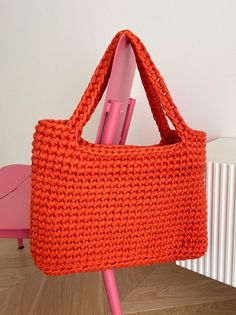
50	48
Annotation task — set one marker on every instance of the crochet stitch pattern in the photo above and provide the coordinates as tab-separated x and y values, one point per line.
96	206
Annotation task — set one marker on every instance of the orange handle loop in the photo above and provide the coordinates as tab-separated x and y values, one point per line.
159	98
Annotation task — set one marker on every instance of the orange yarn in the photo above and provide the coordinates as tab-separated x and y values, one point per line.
97	206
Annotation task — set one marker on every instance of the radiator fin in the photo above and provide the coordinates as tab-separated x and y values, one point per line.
219	262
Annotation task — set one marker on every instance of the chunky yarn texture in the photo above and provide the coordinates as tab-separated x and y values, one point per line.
97	206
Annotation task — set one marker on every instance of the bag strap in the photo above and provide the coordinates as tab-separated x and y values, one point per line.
159	98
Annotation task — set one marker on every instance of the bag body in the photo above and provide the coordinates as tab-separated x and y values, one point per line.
96	206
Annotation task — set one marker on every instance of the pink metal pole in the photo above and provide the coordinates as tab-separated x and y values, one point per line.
108	275
112	292
113	129
107	133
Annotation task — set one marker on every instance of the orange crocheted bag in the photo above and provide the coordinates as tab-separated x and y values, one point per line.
98	206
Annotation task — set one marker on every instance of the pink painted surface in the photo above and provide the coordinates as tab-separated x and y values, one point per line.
113	129
11	176
127	122
18	234
118	90
15	185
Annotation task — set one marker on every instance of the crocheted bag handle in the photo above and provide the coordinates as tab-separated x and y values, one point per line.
161	104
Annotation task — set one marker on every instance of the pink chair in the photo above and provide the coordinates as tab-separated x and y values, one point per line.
15	186
15	180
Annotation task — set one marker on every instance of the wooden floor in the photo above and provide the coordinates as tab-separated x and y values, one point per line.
152	290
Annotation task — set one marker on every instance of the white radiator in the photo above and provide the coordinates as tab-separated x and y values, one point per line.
219	261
